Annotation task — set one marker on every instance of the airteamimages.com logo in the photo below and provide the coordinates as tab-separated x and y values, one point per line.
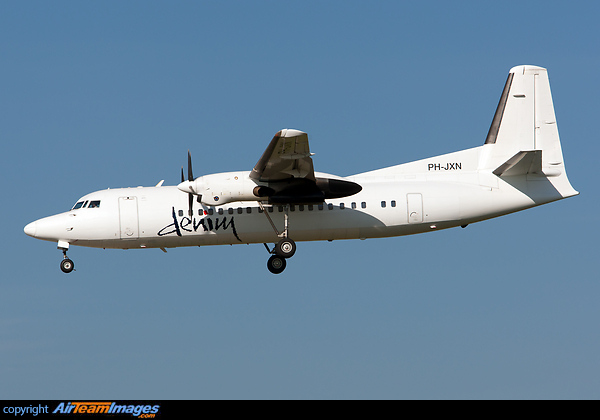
141	411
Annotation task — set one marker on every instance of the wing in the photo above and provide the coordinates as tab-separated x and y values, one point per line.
286	157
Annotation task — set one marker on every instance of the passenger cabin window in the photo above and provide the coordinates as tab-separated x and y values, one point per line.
363	205
383	204
342	206
353	205
393	202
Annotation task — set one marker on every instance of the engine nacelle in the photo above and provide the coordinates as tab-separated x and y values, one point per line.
228	187
223	188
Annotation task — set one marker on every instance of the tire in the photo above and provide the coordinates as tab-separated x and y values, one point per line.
285	248
67	265
276	264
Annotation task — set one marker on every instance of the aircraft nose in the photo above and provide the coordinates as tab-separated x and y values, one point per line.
31	229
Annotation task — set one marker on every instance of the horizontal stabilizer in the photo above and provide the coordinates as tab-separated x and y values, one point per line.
523	163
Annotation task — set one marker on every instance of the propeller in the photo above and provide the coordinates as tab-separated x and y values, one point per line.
191	179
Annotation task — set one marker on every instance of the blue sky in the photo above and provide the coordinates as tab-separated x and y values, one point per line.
113	94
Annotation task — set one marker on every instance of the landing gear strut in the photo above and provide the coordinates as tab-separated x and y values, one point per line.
285	248
66	265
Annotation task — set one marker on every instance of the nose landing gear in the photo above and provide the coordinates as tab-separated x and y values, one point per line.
66	265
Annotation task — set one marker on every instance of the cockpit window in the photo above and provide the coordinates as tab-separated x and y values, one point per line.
84	204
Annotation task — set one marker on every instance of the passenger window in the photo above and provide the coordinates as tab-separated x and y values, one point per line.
330	206
320	206
393	202
180	213
270	209
363	204
342	206
248	210
230	210
301	207
220	211
292	207
353	205
240	210
280	209
211	212
310	207
383	204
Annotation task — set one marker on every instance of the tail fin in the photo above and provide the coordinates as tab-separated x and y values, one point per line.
523	138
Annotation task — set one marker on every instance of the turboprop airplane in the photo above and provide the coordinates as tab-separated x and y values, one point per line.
283	200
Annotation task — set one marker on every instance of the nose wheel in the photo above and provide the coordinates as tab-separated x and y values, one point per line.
66	265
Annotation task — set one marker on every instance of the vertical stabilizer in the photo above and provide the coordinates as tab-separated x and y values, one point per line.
523	128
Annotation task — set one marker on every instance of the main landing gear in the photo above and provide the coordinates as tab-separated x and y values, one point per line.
284	249
66	265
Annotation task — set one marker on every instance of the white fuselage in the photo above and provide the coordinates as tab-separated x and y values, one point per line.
431	194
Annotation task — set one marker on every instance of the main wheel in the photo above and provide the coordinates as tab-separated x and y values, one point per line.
67	265
285	248
276	264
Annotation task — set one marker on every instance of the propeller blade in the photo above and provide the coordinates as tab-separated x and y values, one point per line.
182	177
191	203
190	174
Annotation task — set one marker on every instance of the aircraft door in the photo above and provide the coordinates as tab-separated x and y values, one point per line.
128	218
415	208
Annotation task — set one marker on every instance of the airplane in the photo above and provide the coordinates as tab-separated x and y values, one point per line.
282	200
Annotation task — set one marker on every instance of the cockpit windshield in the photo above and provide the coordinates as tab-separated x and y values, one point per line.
83	204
